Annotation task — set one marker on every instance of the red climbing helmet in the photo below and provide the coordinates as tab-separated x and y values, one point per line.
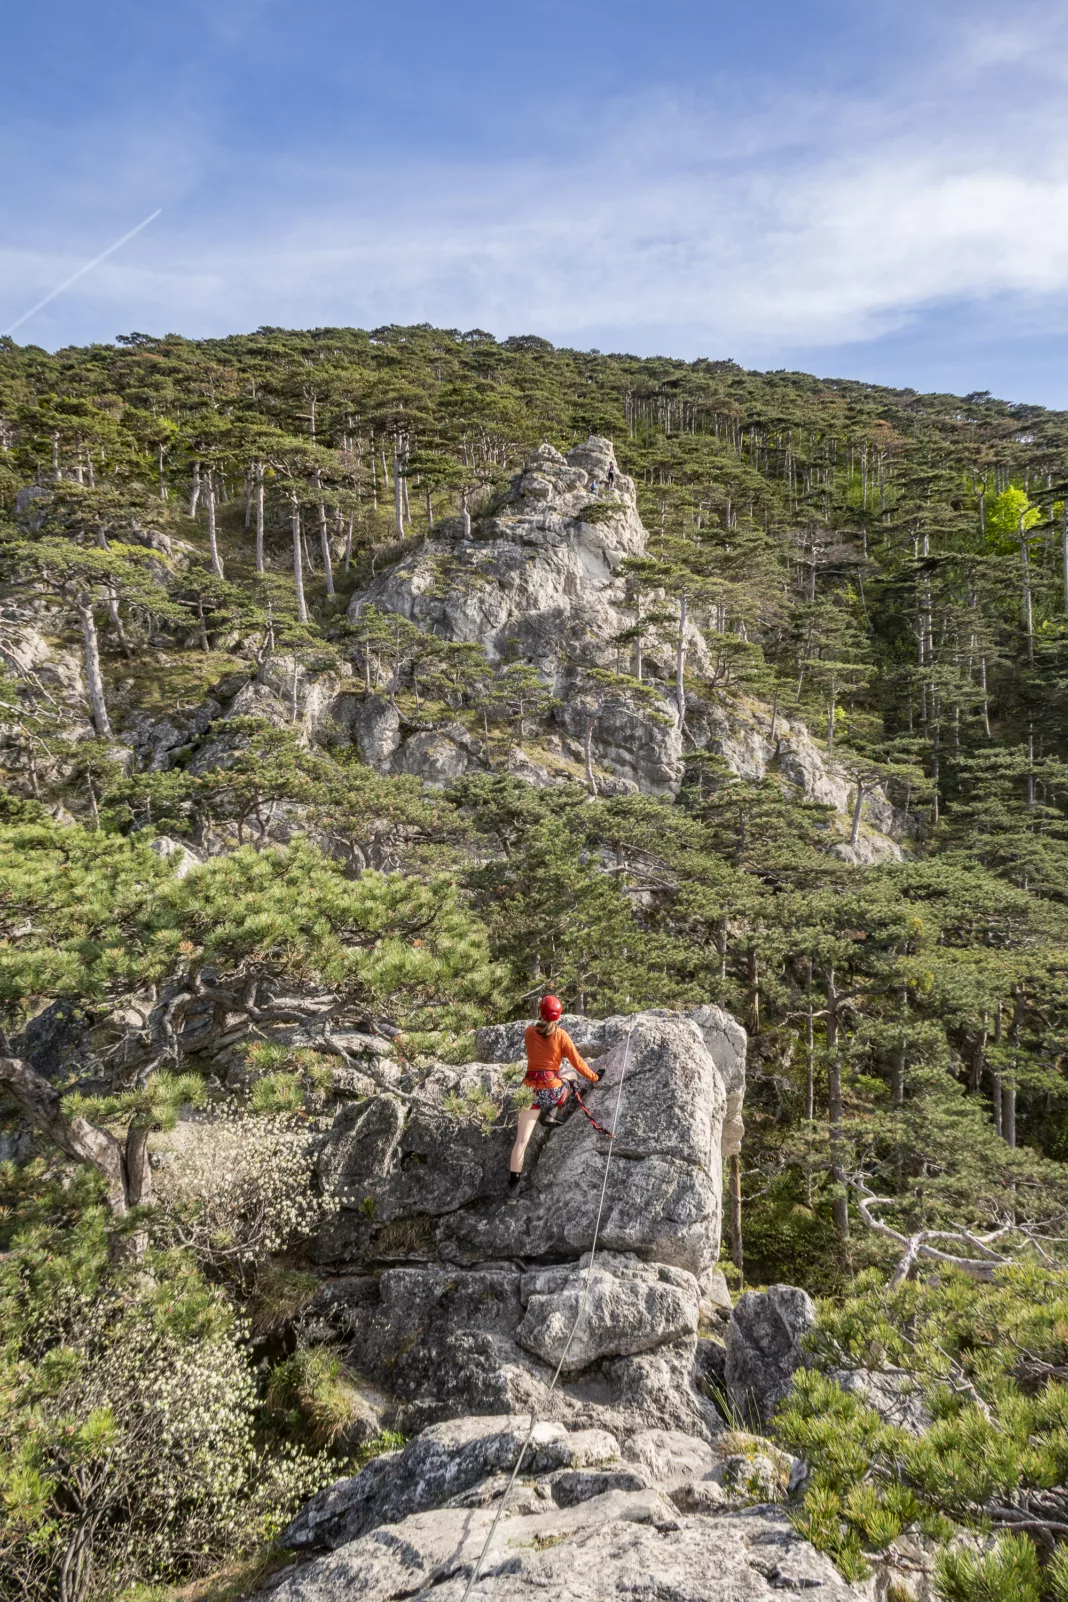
550	1009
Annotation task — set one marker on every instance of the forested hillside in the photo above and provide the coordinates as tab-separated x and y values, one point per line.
191	848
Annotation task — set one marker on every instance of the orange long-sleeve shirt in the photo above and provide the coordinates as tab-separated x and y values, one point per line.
545	1053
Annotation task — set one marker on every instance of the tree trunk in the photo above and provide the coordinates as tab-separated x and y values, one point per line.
737	1248
125	1168
587	752
162	480
346	564
840	1204
194	497
752	968
213	544
260	567
298	563
324	539
465	516
680	661
854	834
1025	573
93	677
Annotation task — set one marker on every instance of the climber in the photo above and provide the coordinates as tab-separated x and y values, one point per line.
611	474
547	1046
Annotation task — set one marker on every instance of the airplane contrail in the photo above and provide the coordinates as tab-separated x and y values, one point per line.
89	265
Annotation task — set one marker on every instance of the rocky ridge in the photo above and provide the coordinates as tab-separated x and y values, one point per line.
663	1515
538	576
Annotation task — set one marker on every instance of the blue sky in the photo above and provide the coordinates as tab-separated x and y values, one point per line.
853	187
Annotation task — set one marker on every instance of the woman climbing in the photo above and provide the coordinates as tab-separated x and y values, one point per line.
547	1047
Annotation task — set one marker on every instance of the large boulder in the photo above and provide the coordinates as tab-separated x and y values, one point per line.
663	1094
668	1516
454	1294
765	1348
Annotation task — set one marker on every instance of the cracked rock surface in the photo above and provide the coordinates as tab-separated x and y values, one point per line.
588	1520
455	1296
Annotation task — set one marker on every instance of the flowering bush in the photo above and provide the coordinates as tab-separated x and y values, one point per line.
127	1412
240	1188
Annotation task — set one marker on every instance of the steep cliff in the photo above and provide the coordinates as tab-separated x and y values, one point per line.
454	1296
539	577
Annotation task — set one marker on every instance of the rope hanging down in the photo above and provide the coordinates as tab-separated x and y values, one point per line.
534	1419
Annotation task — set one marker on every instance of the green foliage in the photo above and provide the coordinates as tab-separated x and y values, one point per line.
1010	1573
108	915
987	1359
128	1412
313	1395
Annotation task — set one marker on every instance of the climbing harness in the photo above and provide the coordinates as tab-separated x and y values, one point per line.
534	1420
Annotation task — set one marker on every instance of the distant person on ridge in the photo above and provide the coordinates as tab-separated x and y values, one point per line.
593	486
611	475
547	1047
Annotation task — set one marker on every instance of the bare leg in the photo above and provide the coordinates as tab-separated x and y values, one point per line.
528	1119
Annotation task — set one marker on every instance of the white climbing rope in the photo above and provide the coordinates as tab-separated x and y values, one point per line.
534	1418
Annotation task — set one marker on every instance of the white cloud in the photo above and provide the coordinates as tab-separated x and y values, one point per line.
758	218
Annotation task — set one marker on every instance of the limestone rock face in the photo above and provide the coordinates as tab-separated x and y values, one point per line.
723	1037
663	1197
539	569
764	1348
440	1463
539	575
631	1307
453	1293
585	1522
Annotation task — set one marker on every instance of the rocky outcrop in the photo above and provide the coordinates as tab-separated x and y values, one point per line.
452	1293
539	574
538	570
765	1348
591	1517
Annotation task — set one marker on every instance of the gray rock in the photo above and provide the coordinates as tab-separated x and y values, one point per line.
572	1486
670	1457
25	497
764	1348
664	1187
724	1039
432	756
441	1462
893	1393
375	727
49	1040
539	575
433	1305
630	1307
173	851
620	1544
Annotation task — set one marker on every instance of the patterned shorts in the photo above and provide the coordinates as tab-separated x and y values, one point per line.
555	1096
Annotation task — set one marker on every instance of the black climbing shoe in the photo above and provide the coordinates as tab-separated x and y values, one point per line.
513	1180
